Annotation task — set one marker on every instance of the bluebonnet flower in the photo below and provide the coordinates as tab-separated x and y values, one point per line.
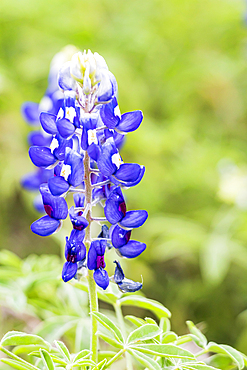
124	284
82	127
96	262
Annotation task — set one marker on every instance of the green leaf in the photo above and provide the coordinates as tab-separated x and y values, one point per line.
149	304
165	324
202	340
63	350
82	354
15	338
169	337
83	362
100	365
144	332
55	358
135	320
47	360
144	360
164	350
110	340
27	348
149	320
221	361
106	354
198	366
8	258
235	355
108	324
18	365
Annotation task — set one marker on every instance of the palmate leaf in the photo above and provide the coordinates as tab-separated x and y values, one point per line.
138	301
82	354
221	361
144	359
135	320
169	337
108	324
106	354
198	366
144	332
164	350
27	349
235	355
55	358
110	340
47	360
16	338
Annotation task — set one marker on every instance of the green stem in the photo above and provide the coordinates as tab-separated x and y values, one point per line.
202	352
120	318
113	359
93	299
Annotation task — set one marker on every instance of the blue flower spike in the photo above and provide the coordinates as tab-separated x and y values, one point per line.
76	149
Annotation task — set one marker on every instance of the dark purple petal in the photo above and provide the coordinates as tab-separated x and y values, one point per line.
45	226
75	249
134	219
132	249
30	112
119	236
79	222
58	185
96	251
41	156
130	121
38	139
101	278
48	122
118	274
65	128
69	271
115	207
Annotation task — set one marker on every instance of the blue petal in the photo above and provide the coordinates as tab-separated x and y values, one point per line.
65	81
55	207
41	156
134	219
128	172
119	236
79	222
101	278
38	139
38	204
118	274
108	115
75	160
58	185
136	178
48	122
30	112
129	286
75	249
59	152
130	121
32	181
104	232
115	207
45	226
69	271
104	161
92	257
105	91
65	128
132	249
79	199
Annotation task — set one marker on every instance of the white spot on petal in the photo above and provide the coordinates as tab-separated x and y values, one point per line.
60	114
65	171
117	160
117	111
70	113
92	137
54	145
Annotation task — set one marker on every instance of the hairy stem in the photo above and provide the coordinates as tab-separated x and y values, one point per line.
120	318
91	283
116	357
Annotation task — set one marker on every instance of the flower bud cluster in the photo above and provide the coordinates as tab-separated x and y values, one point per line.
77	151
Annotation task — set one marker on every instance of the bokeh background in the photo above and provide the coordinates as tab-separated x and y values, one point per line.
184	64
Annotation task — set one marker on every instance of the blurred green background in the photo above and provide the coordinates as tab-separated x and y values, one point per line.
184	64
